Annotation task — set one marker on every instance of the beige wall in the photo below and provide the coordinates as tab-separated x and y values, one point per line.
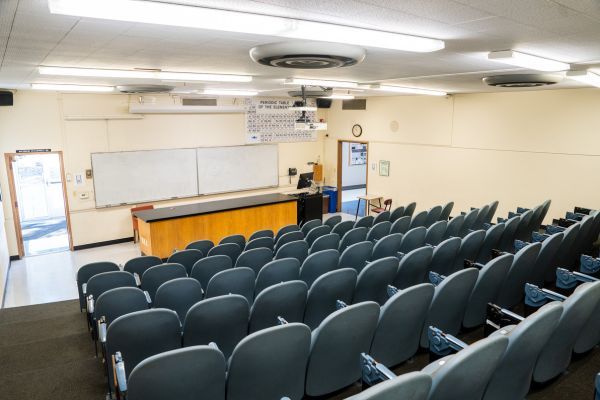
37	120
517	147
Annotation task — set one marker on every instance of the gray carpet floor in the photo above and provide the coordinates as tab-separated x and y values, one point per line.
46	353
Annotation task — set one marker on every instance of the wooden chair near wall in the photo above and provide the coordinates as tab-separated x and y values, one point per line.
387	206
134	220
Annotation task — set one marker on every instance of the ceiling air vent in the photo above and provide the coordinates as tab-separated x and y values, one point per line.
198	102
307	55
134	89
355	104
522	80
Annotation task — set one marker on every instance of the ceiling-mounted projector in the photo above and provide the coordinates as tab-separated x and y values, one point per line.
307	55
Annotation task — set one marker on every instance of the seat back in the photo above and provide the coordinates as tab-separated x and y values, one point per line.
286	300
374	279
364	222
413	239
400	325
511	292
141	334
288	238
270	364
157	275
333	221
276	271
396	214
433	215
466	374
286	229
263	233
356	255
203	245
562	258
435	233
257	243
523	232
546	206
556	354
310	225
449	302
325	242
187	258
317	264
401	225
544	260
379	230
207	267
412	385
325	291
232	281
183	374
469	248
418	220
254	259
222	320
491	241
444	254
104	281
297	249
533	221
178	295
446	210
590	334
580	242
491	211
230	250
481	216
507	239
413	267
410	209
468	222
383	216
85	272
342	227
354	235
139	265
238	239
316	233
486	289
120	301
388	246
512	377
454	226
336	346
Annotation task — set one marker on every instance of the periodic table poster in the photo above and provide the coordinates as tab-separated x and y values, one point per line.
269	120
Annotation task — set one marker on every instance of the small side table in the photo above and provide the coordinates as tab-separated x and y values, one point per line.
368	198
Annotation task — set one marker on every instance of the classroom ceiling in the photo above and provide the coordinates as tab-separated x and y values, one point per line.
564	30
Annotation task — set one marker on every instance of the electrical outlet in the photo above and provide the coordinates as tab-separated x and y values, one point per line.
84	195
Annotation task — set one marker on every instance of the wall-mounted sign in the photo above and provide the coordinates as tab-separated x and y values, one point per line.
34	151
384	168
358	154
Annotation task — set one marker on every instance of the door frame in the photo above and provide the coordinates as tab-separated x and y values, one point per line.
340	168
8	157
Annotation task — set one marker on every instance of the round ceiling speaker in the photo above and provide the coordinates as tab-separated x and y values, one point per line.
307	55
522	80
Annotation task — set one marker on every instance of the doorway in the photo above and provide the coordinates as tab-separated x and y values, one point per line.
352	176
39	203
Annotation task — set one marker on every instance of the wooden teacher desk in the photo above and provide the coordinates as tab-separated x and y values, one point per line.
164	230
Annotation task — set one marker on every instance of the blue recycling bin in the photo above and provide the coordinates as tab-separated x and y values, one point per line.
332	192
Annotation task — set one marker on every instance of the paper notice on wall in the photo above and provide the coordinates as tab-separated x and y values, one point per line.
78	179
269	120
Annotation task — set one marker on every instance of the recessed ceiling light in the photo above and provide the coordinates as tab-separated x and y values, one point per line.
71	88
407	90
319	82
339	97
527	61
234	21
586	77
133	74
225	92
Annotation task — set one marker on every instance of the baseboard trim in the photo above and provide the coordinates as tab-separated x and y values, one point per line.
100	244
15	258
352	187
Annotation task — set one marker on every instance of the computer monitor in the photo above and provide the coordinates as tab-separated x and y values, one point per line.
305	180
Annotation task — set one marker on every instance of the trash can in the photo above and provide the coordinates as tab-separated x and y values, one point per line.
332	192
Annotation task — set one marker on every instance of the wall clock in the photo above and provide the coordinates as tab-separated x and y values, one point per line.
357	130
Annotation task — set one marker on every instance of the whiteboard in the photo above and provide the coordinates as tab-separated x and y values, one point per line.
229	169
130	177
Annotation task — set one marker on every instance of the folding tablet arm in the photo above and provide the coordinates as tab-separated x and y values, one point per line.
436	278
442	344
589	265
566	279
537	297
119	376
374	372
498	317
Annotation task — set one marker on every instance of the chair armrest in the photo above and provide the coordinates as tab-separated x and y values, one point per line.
588	264
373	371
473	264
89	304
442	344
119	374
148	299
391	290
435	278
281	321
340	304
84	289
537	297
101	324
138	281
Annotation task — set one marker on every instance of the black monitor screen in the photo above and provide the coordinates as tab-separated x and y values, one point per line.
305	180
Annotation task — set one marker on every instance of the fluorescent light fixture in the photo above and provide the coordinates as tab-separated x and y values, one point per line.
134	74
151	12
339	97
586	77
527	61
71	88
407	90
225	92
319	82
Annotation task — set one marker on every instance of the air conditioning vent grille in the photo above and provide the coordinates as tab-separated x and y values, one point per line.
198	102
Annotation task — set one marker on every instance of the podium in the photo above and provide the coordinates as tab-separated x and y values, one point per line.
310	206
